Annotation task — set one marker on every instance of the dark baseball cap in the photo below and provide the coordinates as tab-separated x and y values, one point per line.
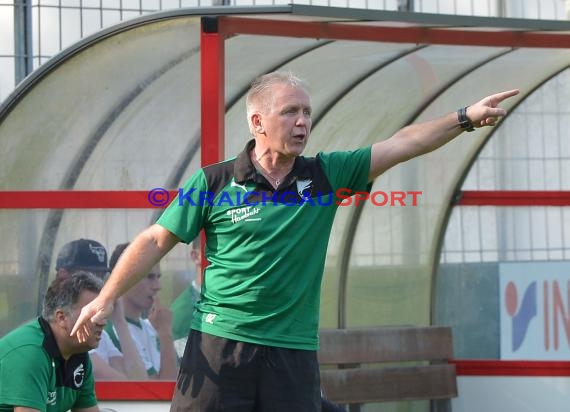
85	254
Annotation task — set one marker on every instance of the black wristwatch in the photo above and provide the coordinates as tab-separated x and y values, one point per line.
464	122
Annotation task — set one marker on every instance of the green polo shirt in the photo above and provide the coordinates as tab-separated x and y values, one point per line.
266	247
33	374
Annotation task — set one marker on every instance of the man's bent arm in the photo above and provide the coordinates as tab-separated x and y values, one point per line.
168	357
132	362
160	318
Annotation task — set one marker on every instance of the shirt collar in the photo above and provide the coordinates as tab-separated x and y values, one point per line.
136	322
67	371
49	342
50	345
244	170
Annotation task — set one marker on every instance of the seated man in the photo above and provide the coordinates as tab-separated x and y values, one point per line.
153	334
41	365
108	363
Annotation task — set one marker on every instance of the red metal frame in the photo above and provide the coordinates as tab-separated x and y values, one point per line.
229	25
511	368
85	199
141	199
135	391
513	198
212	94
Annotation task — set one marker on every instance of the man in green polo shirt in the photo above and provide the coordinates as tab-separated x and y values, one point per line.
43	368
267	216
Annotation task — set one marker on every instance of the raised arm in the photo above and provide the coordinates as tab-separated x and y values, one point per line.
417	139
135	263
160	317
133	365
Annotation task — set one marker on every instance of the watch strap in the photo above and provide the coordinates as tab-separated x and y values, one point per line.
463	120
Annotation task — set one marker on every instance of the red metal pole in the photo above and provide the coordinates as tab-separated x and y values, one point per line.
414	35
212	98
212	91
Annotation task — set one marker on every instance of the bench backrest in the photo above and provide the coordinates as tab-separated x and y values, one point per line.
387	364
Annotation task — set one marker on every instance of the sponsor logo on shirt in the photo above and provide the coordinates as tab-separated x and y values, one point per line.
210	318
78	375
234	184
304	188
51	398
244	213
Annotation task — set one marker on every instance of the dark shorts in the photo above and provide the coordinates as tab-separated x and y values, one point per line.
218	374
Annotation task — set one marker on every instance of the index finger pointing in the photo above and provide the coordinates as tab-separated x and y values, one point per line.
80	324
499	97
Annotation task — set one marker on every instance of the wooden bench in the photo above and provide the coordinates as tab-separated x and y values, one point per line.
369	365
